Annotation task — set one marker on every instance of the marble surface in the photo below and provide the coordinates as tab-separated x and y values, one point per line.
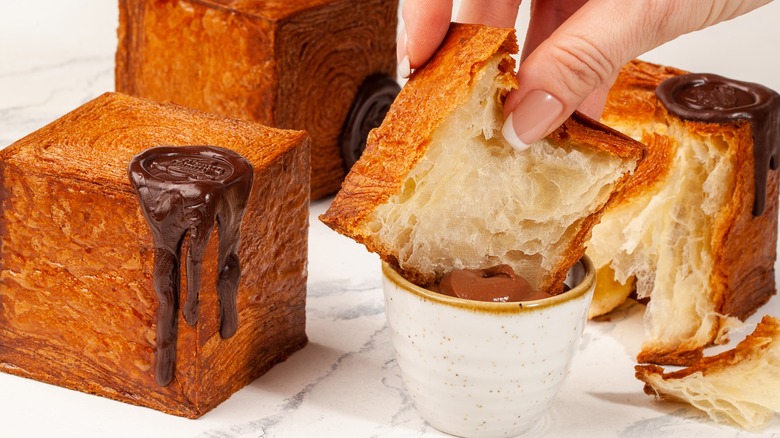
56	55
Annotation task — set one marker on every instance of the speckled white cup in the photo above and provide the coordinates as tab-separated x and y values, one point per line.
483	369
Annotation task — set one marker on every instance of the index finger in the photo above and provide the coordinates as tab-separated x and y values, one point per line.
496	13
425	24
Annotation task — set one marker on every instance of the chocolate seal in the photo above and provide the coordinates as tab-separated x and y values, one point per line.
367	112
190	190
714	99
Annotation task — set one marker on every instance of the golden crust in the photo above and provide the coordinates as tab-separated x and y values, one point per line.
652	169
632	97
586	132
432	93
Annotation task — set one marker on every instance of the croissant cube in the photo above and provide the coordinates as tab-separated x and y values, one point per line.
696	228
298	64
77	301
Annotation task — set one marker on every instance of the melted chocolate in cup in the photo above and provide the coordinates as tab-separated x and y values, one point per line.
191	189
497	284
714	99
367	112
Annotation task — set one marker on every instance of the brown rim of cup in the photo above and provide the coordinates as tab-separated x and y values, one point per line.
492	307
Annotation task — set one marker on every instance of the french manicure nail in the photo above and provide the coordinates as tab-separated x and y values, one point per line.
404	67
404	70
508	131
531	119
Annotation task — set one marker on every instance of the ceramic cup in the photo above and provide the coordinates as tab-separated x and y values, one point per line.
484	369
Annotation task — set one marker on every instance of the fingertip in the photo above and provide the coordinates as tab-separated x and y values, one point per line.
510	135
400	43
511	101
404	69
579	60
544	99
491	13
425	23
536	114
593	105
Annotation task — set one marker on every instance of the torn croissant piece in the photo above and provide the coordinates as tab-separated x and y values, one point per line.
740	386
696	228
438	188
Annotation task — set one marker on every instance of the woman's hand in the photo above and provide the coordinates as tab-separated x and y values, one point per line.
573	50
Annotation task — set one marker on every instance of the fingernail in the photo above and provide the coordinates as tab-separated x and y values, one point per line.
404	68
531	119
508	131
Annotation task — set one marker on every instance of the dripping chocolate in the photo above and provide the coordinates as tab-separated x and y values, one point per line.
187	191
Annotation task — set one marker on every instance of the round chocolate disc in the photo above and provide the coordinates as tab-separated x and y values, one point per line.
182	164
367	112
712	98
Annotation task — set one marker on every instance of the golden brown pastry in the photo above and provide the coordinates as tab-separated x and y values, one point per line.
439	189
295	64
696	228
740	386
609	293
78	306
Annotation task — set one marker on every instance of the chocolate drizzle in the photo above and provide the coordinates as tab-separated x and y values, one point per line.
714	99
367	112
191	189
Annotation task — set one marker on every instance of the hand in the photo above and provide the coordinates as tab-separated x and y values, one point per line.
573	50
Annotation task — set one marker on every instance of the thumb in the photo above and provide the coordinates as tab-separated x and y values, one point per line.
578	63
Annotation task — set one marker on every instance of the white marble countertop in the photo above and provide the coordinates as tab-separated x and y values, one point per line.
56	55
